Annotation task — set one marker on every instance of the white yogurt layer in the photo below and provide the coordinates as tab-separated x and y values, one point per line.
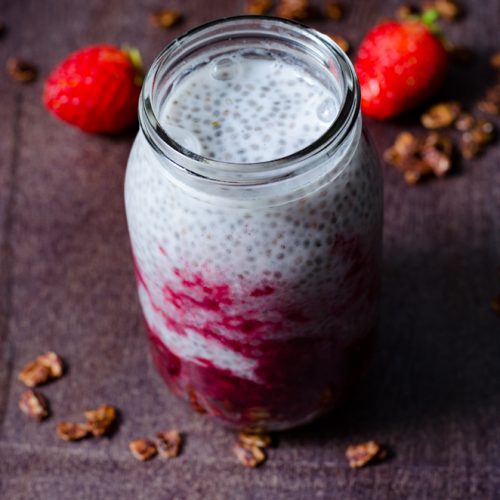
245	109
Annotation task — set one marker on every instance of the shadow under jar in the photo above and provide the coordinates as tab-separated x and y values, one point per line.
254	205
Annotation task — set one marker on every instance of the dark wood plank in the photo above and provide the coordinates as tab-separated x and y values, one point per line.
9	153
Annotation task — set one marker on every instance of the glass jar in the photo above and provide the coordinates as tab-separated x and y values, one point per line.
258	280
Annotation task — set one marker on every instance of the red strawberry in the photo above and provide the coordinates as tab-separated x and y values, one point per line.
96	88
399	65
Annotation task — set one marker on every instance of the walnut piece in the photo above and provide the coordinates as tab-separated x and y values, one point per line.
495	60
465	121
483	132
258	7
360	455
441	115
254	438
334	10
405	144
165	18
491	103
448	9
53	362
100	420
341	42
419	157
293	9
72	431
21	70
248	455
436	152
169	443
143	449
34	374
47	366
489	107
474	140
405	155
34	405
406	11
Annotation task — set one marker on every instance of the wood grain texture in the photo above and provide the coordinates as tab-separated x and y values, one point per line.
432	392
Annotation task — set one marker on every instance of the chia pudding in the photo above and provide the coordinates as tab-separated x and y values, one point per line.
247	109
254	208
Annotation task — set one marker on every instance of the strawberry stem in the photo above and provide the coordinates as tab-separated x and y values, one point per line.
135	58
429	17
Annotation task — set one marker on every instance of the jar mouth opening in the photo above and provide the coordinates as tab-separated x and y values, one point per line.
231	28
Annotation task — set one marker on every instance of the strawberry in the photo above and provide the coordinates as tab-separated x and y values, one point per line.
399	65
96	89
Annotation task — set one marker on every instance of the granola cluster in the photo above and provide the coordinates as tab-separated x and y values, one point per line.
432	154
71	431
250	447
441	115
299	10
98	423
448	10
302	10
360	455
420	157
258	7
43	369
46	367
165	18
491	102
341	42
334	10
21	70
168	444
34	405
143	449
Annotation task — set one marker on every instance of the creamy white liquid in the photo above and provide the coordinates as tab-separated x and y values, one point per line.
244	109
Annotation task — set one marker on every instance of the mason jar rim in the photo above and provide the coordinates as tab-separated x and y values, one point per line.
249	174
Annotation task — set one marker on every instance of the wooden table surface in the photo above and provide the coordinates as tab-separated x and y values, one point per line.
66	283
